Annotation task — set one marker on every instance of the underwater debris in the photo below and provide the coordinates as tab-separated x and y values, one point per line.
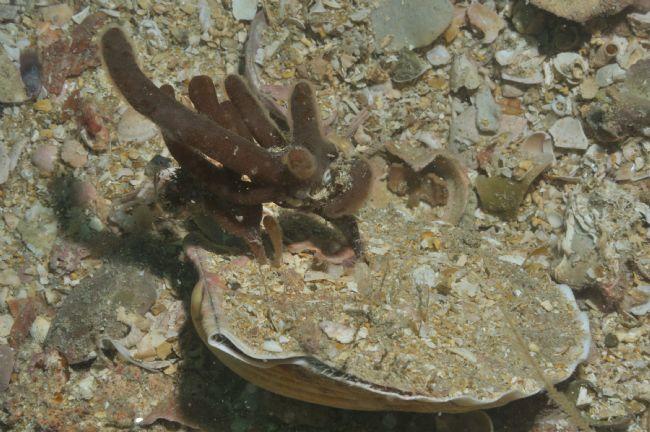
307	173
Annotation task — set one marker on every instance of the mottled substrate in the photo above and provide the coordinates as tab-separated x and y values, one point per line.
424	317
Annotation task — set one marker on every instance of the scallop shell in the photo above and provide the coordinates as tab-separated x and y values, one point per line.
419	327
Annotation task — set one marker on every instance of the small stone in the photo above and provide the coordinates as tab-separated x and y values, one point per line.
464	73
44	105
44	158
39	329
414	26
74	153
244	9
12	89
567	133
488	111
438	55
135	127
58	14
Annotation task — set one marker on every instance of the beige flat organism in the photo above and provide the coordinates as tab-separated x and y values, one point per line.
419	328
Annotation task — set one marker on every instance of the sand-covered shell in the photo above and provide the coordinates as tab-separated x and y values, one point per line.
428	321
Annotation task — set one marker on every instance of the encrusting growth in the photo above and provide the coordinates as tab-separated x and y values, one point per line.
239	154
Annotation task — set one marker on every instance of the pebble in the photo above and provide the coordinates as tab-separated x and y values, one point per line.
44	158
488	111
438	55
133	126
414	26
464	73
74	153
567	133
11	85
39	329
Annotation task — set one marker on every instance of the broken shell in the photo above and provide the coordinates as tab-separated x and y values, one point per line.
438	55
526	70
486	20
609	74
538	143
567	133
505	57
571	66
503	196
